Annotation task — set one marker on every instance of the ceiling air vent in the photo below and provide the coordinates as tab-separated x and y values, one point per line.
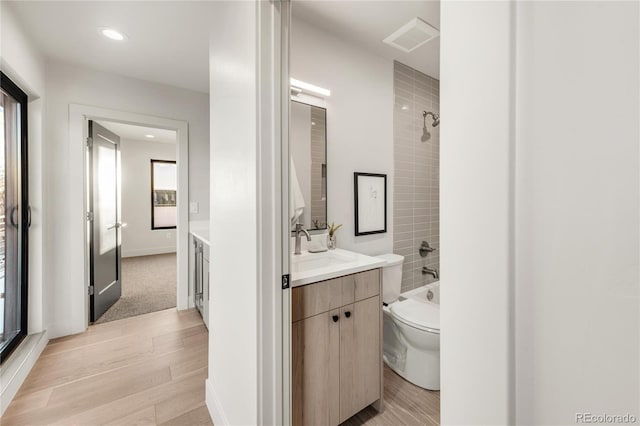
412	35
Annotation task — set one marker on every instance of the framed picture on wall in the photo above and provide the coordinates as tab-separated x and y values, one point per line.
370	191
164	183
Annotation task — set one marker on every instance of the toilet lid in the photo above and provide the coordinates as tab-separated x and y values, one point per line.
421	315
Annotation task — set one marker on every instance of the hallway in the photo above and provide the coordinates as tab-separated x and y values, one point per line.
144	370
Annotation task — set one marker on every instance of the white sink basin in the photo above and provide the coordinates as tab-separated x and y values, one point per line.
311	261
308	267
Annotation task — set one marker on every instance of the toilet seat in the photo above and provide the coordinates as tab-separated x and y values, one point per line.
416	314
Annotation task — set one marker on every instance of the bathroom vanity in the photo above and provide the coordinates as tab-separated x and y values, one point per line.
336	296
336	339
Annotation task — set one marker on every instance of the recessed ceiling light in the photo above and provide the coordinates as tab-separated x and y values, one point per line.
313	123
112	34
149	136
404	107
412	35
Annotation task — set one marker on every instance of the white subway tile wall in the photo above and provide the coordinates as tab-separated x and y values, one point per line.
416	204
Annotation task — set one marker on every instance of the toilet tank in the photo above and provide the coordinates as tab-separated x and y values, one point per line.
391	276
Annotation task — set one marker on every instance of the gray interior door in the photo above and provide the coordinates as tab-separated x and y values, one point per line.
104	208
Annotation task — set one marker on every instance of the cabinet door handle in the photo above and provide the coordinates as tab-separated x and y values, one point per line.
335	318
347	314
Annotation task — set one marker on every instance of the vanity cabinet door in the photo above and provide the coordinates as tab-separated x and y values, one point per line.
336	348
315	365
359	356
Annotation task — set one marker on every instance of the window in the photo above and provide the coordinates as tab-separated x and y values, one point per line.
14	216
163	194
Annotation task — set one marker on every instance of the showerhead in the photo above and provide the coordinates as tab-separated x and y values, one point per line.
425	134
436	118
436	121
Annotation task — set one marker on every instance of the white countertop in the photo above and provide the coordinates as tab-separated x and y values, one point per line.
202	236
200	230
307	268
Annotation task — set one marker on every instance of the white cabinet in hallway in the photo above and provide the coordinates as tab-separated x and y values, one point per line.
199	275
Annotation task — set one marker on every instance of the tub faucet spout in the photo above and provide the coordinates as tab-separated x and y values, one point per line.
433	272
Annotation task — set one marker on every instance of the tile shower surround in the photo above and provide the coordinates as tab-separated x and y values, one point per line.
416	203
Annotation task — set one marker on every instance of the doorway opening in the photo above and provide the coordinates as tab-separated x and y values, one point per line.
132	219
80	118
377	188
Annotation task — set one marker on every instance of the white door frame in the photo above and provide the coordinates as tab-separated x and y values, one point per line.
281	59
78	132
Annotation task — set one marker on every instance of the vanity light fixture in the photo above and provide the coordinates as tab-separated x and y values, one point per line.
412	35
308	88
112	34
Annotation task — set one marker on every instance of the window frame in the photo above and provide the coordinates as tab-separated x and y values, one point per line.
19	95
153	219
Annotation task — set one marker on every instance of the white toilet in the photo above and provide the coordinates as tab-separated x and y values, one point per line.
411	327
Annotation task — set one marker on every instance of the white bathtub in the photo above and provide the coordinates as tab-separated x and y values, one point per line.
422	293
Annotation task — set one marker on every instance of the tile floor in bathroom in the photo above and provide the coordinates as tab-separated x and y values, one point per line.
404	404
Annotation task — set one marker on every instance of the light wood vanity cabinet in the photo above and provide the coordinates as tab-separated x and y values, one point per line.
336	348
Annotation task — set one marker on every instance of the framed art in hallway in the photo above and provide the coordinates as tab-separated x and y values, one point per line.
370	191
163	194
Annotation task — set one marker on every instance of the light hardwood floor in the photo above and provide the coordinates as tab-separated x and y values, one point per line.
404	404
150	370
145	370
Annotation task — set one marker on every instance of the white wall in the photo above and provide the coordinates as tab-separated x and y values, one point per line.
577	212
233	382
540	211
359	123
245	383
138	239
67	84
476	213
25	65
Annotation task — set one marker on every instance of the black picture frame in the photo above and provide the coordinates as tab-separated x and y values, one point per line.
153	218
357	190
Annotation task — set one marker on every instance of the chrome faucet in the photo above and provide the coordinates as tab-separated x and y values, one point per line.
433	272
300	230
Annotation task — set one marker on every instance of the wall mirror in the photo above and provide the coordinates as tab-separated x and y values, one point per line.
308	168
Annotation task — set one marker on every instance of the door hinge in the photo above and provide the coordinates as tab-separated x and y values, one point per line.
90	290
90	216
89	142
285	281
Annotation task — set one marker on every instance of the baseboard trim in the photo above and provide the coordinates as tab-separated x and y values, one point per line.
18	366
148	251
213	405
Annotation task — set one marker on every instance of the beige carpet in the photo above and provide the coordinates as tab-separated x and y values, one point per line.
148	285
